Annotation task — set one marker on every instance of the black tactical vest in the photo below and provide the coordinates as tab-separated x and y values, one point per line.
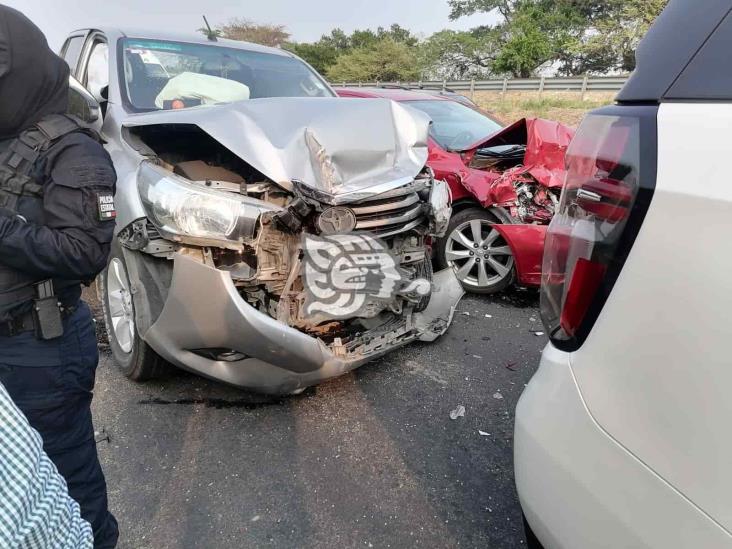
17	182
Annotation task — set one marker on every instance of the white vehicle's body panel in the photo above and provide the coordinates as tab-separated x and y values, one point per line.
655	371
580	489
624	443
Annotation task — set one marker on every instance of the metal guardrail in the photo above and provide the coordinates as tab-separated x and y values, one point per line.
581	84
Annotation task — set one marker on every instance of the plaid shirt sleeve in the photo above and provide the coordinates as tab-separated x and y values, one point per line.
36	511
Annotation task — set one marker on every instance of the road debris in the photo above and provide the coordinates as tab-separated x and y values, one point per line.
498	396
484	434
457	412
102	436
538	334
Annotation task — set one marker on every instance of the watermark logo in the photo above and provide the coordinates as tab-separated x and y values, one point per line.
353	275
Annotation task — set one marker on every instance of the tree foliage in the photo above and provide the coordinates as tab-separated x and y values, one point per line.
324	54
577	36
617	35
570	37
458	55
385	60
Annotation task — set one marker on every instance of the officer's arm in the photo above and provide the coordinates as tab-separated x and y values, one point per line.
74	242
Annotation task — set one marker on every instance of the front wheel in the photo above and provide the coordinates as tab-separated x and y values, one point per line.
476	251
133	356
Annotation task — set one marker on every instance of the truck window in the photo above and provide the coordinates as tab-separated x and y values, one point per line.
71	51
96	73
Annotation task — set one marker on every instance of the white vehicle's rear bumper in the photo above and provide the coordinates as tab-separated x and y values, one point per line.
579	489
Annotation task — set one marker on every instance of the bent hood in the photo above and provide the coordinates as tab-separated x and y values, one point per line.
546	144
332	145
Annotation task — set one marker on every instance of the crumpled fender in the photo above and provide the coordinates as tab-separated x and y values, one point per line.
486	187
527	244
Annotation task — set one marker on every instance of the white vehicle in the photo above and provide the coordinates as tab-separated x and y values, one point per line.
622	437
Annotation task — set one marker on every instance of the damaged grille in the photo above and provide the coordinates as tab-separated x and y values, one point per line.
390	216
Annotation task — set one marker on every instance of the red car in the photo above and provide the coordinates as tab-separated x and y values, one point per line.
505	185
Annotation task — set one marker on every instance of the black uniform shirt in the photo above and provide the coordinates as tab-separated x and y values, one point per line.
67	235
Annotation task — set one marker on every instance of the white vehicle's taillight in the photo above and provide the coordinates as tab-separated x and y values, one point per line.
611	174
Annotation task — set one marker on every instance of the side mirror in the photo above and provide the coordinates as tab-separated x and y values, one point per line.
83	105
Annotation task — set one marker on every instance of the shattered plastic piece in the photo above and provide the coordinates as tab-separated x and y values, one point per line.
102	436
538	334
498	396
466	313
457	412
484	434
489	316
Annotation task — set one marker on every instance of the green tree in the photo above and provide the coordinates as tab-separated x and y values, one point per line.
617	35
458	55
577	36
531	33
321	57
528	42
324	53
386	60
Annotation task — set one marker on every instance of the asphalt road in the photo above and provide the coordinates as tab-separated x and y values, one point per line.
368	460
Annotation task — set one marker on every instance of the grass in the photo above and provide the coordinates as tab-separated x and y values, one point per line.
566	107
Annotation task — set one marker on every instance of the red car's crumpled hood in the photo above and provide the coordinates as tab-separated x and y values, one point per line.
546	144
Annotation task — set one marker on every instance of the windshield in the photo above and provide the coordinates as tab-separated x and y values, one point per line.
455	126
173	75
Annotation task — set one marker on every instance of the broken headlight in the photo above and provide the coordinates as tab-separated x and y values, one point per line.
188	212
440	200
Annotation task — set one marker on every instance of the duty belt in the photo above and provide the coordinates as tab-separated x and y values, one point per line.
25	323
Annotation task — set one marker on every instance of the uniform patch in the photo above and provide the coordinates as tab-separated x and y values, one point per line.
105	201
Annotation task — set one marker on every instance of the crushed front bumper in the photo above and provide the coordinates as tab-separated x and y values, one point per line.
203	310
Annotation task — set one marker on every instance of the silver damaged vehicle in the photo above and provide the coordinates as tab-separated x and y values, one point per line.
269	234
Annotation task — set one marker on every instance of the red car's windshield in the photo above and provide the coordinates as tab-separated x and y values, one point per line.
456	126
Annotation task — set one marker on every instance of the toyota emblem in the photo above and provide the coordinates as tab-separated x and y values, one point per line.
337	220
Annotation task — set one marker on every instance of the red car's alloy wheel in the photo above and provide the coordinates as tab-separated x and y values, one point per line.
480	257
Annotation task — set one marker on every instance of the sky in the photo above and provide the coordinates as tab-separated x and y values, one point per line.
307	20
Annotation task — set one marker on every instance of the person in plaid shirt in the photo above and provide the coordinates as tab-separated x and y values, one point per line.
36	511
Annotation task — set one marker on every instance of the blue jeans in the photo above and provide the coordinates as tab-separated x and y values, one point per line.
52	382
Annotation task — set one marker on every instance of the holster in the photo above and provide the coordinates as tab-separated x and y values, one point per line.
47	319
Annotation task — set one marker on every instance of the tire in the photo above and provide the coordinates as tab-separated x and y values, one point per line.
532	542
485	267
135	358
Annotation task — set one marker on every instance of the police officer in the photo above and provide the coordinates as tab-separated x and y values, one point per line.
56	183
